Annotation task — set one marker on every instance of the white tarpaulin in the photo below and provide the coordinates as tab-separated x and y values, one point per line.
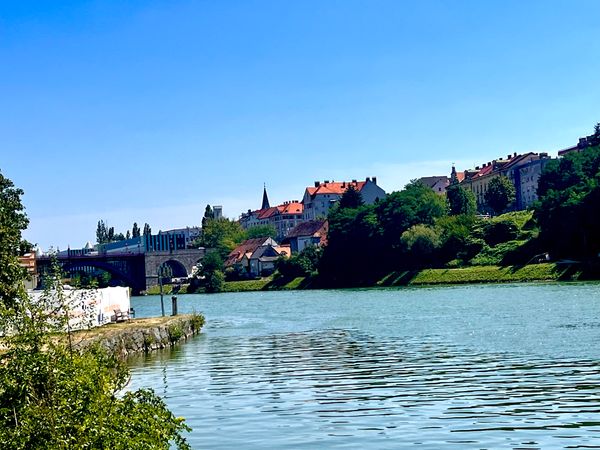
88	308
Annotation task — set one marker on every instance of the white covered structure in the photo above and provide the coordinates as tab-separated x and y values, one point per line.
88	308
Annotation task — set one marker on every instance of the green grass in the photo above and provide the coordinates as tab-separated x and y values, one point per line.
246	285
493	274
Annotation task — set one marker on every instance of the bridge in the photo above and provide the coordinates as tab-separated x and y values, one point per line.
136	269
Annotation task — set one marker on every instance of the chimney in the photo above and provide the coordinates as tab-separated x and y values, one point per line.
508	156
354	181
317	183
515	154
374	180
326	181
476	167
367	179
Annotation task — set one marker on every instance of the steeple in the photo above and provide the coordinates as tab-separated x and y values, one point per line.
265	203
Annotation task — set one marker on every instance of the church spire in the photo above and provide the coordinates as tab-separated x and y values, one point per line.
265	202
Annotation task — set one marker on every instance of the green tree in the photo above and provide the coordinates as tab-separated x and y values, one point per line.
110	236
128	235
223	235
351	198
12	222
569	201
421	242
52	394
416	204
135	231
460	200
500	194
208	215
212	271
147	230
101	233
261	231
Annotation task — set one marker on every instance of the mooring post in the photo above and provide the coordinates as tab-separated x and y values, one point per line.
174	305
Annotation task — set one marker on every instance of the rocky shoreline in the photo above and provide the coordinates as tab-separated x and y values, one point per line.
142	335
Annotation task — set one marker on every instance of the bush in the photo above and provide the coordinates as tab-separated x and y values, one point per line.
197	321
214	282
421	242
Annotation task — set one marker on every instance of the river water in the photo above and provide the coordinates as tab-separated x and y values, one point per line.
495	366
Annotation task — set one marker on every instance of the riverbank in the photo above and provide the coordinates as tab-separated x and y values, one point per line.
141	335
435	277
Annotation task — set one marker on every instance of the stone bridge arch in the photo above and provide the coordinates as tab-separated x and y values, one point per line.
72	267
178	259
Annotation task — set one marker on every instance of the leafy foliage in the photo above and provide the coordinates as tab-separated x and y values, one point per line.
461	200
500	194
52	394
569	201
301	264
351	198
12	222
260	231
223	235
212	271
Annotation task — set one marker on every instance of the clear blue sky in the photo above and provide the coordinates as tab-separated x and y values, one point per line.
148	110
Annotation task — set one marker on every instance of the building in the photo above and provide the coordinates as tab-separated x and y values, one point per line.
28	262
320	198
313	232
282	217
256	257
262	261
525	181
437	183
245	249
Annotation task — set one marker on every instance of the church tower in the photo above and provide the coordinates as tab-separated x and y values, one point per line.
265	202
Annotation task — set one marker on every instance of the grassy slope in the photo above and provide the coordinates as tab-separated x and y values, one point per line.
466	275
481	274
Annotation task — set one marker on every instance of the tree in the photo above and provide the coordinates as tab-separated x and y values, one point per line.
110	236
212	270
52	394
128	235
500	194
101	233
351	198
147	230
416	204
569	201
135	231
421	242
208	215
460	200
261	231
12	222
223	235
595	138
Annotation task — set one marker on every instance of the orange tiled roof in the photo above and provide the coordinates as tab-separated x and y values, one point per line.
291	208
335	187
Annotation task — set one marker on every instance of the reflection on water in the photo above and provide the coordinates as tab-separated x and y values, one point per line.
357	388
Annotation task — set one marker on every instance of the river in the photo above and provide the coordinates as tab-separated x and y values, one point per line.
490	366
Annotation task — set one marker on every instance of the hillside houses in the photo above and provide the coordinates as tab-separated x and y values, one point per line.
321	197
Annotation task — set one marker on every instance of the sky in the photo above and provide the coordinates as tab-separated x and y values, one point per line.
146	111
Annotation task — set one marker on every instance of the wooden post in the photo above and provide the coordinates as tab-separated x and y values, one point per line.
162	303
174	305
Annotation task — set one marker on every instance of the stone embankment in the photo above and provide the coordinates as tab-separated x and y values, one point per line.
142	335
